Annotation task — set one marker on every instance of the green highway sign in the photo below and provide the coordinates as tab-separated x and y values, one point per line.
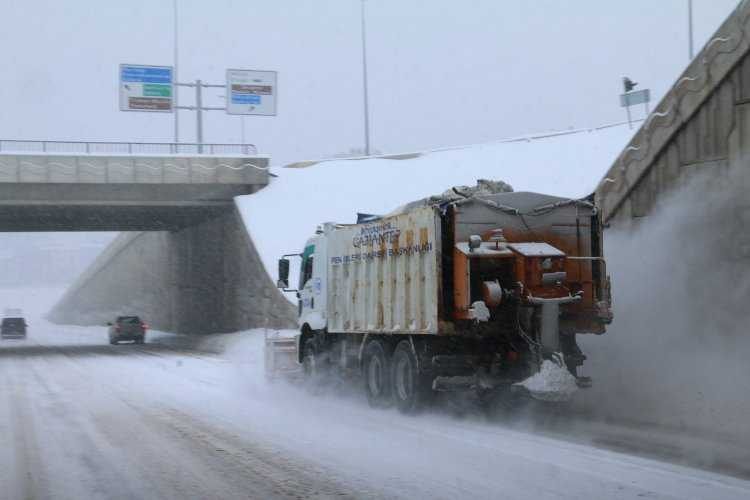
156	90
146	88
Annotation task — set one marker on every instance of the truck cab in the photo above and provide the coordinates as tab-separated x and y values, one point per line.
312	292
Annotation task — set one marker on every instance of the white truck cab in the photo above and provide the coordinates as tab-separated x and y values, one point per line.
312	292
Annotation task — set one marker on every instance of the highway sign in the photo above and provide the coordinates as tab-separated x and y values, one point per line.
146	88
633	98
251	92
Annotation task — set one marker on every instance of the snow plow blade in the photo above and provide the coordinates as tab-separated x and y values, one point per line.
552	383
456	383
281	357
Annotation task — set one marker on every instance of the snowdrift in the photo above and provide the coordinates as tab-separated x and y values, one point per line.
282	216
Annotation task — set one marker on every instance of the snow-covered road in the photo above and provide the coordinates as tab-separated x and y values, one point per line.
82	419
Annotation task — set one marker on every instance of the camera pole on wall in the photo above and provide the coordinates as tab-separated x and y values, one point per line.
633	97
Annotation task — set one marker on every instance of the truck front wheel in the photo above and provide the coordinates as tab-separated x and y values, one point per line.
376	371
411	390
314	366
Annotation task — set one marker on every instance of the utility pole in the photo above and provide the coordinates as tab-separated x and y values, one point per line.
632	97
630	121
176	79
364	80
690	28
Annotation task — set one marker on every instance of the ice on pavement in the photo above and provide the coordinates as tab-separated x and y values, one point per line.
212	417
551	383
219	388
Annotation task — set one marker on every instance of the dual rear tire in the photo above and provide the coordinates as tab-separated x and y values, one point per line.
394	379
377	375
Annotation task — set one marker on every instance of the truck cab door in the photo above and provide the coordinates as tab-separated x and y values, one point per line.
312	299
306	299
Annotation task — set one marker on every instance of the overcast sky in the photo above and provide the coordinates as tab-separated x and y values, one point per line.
441	72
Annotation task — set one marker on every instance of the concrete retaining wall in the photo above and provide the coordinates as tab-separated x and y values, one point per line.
698	128
203	279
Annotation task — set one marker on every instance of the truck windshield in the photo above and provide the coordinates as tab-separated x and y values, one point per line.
307	270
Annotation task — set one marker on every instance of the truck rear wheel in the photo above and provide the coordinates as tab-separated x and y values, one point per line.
411	390
376	371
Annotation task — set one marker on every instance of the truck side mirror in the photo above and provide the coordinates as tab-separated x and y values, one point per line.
283	281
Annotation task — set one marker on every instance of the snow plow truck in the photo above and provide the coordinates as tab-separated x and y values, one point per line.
482	294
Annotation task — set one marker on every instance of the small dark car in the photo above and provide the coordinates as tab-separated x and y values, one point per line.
127	328
13	328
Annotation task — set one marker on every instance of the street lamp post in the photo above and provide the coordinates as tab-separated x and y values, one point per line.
176	92
364	80
690	29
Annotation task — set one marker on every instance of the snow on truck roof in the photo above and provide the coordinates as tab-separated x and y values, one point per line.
283	215
536	249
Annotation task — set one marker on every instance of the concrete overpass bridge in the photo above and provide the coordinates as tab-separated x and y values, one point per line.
58	191
184	261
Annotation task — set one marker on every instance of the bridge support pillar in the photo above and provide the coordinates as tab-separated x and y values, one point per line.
206	278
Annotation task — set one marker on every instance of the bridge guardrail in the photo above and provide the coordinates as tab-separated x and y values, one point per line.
106	147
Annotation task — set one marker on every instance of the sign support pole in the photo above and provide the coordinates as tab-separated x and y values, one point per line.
242	128
633	98
199	116
199	108
630	122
